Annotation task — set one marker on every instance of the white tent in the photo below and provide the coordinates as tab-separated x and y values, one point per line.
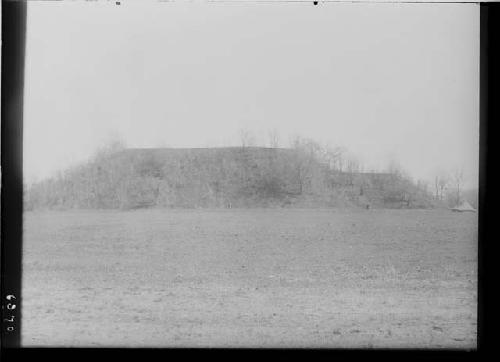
463	207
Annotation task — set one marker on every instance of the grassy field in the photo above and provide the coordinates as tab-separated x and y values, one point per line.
255	277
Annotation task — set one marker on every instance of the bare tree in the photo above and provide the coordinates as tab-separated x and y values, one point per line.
436	187
334	157
295	142
247	138
423	185
458	177
113	146
443	182
352	167
305	155
274	138
395	169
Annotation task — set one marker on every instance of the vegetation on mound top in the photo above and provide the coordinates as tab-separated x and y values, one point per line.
303	176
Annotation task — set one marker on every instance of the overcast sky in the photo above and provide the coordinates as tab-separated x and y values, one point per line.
390	82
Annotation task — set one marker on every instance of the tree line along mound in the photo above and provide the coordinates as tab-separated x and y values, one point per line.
220	178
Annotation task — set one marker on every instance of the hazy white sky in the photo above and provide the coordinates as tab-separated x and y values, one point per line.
387	81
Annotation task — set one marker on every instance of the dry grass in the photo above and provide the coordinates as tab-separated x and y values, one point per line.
260	277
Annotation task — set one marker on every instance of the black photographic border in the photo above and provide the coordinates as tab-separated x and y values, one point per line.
12	74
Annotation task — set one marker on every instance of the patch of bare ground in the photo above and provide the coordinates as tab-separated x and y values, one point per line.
250	277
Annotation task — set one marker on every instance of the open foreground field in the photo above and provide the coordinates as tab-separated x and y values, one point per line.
252	278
